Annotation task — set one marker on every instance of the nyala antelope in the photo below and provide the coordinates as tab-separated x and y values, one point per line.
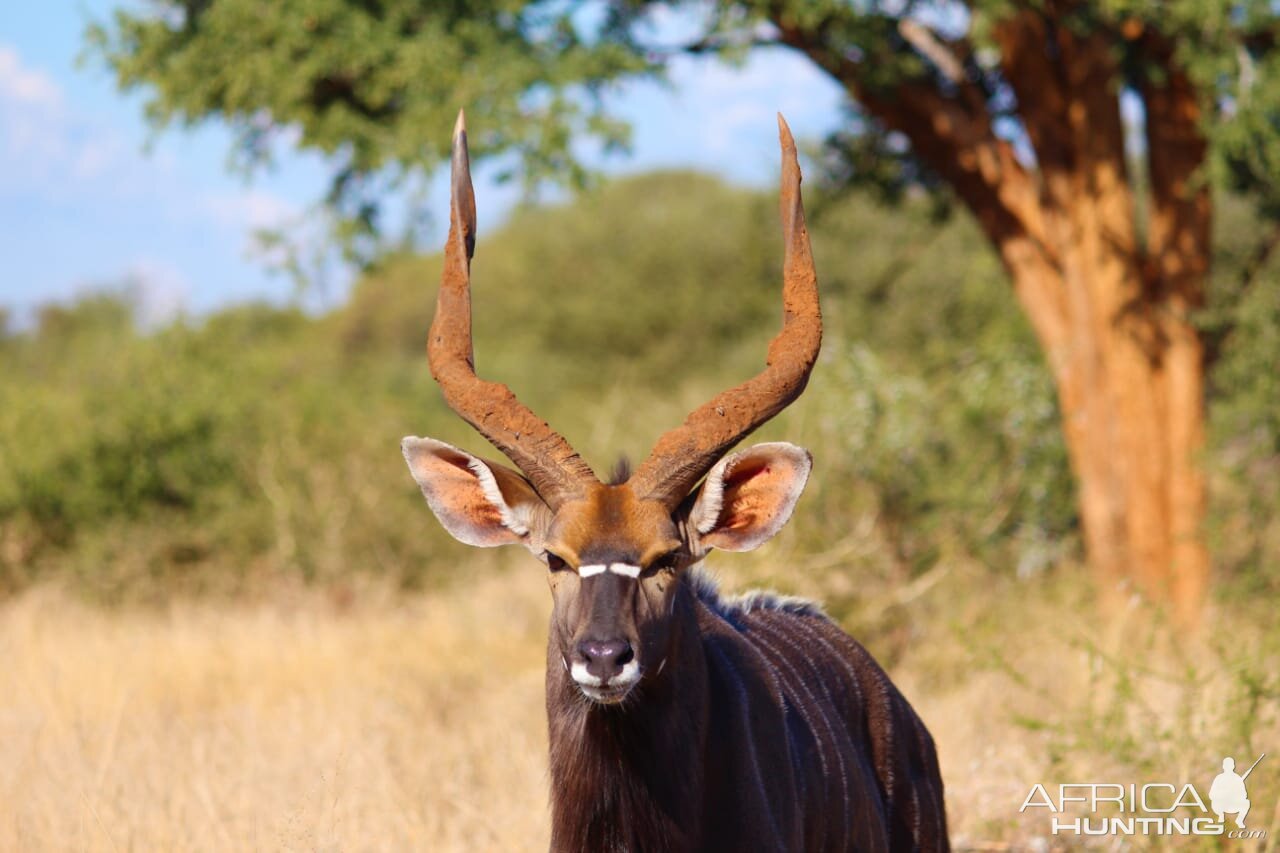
681	719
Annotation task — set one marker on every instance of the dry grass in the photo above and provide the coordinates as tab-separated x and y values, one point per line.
386	725
386	722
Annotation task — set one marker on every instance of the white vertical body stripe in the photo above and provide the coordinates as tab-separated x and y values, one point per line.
624	569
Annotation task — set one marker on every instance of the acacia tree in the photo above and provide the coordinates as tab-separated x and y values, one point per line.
1013	109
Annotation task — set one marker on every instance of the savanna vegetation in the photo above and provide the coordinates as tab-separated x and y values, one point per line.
259	442
1024	114
285	623
227	620
215	453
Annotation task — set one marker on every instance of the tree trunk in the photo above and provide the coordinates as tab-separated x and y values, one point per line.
1113	311
1130	385
1125	354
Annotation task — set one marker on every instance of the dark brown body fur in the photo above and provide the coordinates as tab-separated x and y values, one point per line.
768	729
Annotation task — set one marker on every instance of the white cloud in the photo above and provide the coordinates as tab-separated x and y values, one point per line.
666	26
53	149
252	209
26	85
75	172
159	291
729	123
95	157
776	80
46	147
723	116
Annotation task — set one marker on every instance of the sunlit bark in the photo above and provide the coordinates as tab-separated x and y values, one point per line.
1112	310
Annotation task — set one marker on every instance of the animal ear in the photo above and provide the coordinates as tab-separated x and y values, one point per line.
478	502
749	495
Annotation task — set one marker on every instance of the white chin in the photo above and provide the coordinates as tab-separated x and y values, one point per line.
610	695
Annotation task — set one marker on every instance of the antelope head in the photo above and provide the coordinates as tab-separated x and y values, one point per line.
615	551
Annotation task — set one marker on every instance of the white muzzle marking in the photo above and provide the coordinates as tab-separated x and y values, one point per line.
584	678
630	674
594	688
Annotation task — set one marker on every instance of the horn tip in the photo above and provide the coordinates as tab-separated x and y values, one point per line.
458	145
784	132
790	164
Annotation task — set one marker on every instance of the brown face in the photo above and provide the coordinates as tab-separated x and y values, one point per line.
612	562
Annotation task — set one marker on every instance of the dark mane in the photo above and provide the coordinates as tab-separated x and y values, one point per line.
708	591
621	472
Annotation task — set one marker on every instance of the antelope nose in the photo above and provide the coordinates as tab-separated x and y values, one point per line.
605	658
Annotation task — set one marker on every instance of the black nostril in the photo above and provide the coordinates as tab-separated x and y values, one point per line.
605	658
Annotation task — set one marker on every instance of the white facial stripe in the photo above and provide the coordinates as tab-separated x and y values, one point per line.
625	569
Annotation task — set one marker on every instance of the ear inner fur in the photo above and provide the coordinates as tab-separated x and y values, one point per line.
465	493
750	495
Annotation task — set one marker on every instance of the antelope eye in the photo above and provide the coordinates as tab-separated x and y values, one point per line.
556	563
665	562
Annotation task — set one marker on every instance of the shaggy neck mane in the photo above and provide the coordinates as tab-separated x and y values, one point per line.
630	777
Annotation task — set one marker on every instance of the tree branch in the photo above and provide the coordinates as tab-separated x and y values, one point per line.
929	45
955	136
1179	236
712	43
948	133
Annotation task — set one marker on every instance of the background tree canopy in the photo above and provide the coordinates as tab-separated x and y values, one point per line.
1015	110
371	84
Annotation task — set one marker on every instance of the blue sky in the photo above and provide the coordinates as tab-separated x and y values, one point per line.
90	196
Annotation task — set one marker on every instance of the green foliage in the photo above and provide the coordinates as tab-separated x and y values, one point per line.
603	288
373	86
1243	326
261	443
92	470
968	463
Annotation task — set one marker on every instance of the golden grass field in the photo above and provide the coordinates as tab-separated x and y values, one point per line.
378	721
